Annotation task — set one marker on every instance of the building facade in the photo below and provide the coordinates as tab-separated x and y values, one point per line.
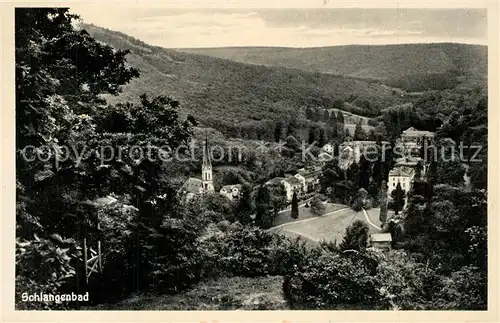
413	140
309	179
402	175
292	184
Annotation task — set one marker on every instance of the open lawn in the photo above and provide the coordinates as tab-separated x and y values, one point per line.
304	213
331	226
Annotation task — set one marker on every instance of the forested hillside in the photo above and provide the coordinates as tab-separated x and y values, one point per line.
222	93
414	67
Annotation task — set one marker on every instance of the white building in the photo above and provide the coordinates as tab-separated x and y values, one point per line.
292	184
231	191
328	148
402	175
309	179
195	186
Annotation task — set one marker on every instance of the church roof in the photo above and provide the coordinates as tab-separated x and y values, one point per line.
192	185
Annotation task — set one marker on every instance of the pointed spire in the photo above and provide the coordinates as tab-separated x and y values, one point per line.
206	155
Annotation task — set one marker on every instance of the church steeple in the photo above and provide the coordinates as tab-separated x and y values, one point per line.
206	170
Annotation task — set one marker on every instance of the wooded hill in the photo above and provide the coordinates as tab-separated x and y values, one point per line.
218	90
415	67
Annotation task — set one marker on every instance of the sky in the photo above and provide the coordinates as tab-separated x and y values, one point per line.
191	28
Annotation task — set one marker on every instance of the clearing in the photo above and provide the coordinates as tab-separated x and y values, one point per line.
331	226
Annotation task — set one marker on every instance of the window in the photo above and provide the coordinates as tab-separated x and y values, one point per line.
403	184
393	184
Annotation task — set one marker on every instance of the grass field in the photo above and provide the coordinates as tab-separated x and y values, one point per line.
330	227
304	213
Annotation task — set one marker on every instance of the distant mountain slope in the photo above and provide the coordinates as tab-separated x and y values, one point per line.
394	64
216	90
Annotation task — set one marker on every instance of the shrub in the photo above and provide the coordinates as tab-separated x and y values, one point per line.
330	280
43	265
466	289
317	207
356	236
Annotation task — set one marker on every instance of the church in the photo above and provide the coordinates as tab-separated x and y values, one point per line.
195	186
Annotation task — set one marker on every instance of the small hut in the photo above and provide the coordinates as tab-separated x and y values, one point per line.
381	241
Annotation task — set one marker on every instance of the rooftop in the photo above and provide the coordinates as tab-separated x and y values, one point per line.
192	185
381	237
230	187
292	180
275	180
420	133
401	171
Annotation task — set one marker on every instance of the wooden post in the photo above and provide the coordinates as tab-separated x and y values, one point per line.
99	255
85	259
99	244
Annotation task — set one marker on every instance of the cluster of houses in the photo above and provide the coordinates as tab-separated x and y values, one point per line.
306	180
303	182
410	143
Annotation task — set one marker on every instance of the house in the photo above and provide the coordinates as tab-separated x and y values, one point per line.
413	139
381	241
325	157
412	162
231	191
403	175
292	184
353	150
328	148
309	179
195	186
274	181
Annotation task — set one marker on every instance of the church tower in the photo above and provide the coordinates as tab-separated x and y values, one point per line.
206	171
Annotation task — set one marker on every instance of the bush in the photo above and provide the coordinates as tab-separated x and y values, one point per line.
43	265
466	289
236	250
317	207
330	280
356	236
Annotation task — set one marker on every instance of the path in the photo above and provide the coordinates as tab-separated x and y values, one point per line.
369	221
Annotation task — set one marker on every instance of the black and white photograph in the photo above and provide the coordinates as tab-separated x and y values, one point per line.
264	159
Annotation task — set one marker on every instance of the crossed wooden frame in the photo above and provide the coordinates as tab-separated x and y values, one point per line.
94	263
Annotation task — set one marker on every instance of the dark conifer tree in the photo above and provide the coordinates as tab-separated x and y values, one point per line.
295	206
